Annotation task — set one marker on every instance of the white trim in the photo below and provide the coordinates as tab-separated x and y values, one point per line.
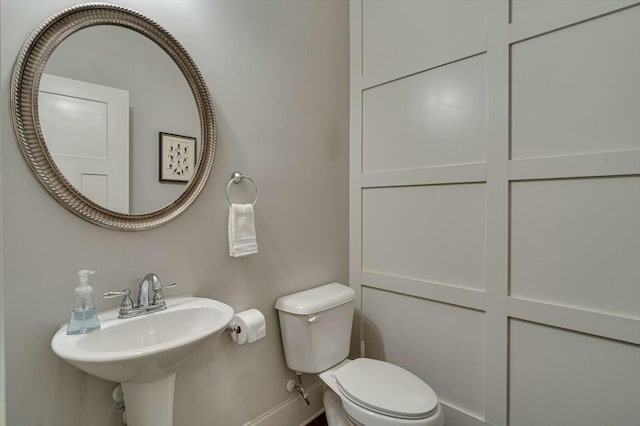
456	416
424	61
568	166
562	15
459	173
497	214
607	325
439	292
355	155
3	400
293	410
498	171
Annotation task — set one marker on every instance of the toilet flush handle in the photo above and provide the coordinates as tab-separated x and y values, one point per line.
313	319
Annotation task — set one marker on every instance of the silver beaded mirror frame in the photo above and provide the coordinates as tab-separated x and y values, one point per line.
25	83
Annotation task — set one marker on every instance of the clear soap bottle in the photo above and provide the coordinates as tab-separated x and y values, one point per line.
83	317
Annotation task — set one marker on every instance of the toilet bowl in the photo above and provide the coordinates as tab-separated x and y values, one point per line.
316	331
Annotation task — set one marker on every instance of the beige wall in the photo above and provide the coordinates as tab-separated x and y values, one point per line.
278	73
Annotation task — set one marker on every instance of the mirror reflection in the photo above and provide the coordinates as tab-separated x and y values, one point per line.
119	119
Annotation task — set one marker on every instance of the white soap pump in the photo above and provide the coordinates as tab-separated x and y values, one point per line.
83	317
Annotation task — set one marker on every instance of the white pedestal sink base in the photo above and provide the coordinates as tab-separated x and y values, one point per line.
149	403
142	352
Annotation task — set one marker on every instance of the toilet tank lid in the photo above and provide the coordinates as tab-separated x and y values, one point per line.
316	300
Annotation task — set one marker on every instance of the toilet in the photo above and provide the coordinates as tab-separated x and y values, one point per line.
316	334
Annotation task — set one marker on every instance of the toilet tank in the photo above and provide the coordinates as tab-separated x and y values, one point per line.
316	326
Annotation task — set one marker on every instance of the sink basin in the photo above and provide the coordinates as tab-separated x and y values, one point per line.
144	352
145	347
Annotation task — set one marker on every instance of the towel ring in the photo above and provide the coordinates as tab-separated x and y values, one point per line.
236	177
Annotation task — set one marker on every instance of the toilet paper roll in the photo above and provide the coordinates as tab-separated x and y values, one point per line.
249	326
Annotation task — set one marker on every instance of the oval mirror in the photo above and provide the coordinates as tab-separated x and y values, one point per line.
113	117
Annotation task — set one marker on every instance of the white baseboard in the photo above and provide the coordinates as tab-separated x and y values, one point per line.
456	416
293	411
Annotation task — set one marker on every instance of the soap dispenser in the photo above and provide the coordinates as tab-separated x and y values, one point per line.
83	317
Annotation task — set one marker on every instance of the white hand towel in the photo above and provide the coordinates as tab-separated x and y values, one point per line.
242	230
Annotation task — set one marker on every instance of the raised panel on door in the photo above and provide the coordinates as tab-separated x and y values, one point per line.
576	242
433	118
95	188
84	118
576	90
395	30
442	344
560	377
431	233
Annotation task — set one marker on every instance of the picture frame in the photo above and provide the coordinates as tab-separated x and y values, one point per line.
177	158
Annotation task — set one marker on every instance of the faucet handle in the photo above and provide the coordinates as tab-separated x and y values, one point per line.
158	297
112	294
127	304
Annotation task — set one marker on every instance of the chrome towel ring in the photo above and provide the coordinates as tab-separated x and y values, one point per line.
236	177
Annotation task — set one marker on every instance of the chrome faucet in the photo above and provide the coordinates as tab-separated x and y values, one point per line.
147	302
152	280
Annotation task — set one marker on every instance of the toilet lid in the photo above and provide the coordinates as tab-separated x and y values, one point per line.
386	389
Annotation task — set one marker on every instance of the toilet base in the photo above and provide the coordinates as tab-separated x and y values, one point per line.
333	410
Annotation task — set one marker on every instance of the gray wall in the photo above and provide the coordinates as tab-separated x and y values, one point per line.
278	72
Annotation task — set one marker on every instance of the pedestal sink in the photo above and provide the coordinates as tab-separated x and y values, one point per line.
143	352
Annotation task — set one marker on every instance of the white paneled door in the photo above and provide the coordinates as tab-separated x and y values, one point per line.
86	126
495	204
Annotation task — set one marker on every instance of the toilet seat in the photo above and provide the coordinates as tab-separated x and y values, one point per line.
384	389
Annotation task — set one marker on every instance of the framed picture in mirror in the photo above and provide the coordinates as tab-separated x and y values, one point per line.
177	157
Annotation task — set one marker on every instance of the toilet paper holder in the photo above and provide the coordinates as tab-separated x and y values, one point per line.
247	326
234	328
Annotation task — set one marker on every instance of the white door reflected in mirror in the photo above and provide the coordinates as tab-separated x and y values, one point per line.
87	128
159	101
